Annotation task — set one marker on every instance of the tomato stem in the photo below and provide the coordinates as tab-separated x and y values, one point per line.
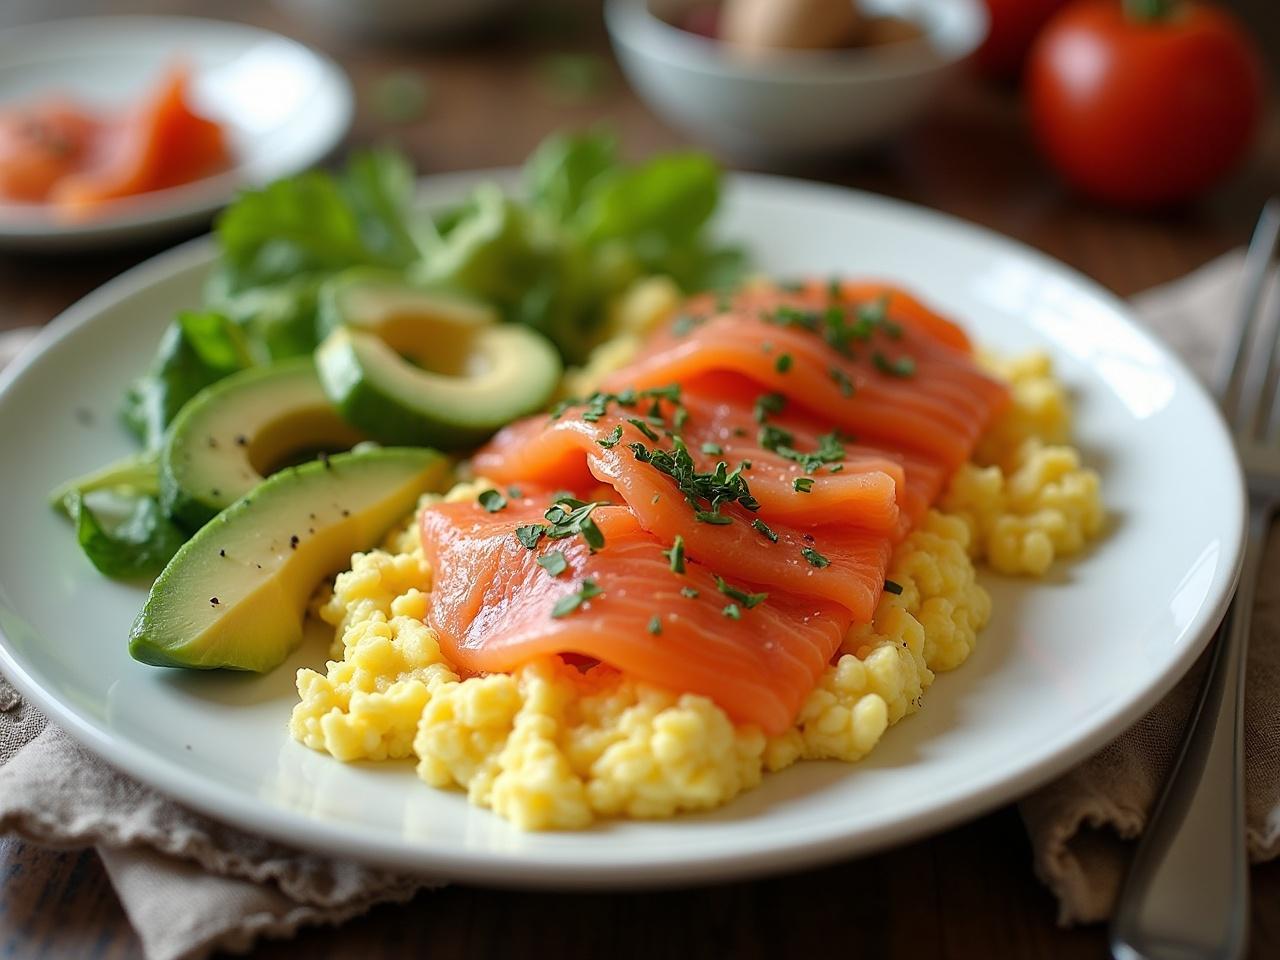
1150	11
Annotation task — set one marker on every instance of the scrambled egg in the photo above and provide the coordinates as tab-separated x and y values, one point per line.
550	747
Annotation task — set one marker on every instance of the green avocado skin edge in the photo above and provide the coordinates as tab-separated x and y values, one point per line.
234	596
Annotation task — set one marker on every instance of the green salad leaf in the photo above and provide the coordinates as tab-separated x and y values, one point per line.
196	349
139	545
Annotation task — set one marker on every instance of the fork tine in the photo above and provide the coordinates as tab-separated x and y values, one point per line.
1232	379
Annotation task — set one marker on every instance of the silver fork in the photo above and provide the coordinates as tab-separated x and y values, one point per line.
1187	893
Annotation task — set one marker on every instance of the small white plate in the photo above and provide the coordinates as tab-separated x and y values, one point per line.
1064	666
284	105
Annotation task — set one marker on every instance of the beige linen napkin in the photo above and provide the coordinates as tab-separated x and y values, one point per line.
190	885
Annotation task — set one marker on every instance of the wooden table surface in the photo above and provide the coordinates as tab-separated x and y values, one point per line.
968	893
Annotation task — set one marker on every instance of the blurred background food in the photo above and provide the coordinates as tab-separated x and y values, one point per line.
1132	104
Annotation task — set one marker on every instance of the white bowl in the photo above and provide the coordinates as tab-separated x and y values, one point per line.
796	103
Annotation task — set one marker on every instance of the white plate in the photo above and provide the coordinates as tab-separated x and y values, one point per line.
1064	665
285	107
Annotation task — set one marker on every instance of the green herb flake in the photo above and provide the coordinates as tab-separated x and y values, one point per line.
655	625
530	534
768	403
712	448
892	586
572	601
713	518
748	600
689	592
675	555
841	380
553	562
815	558
802	484
901	367
613	439
765	529
783	363
492	500
568	517
514	493
731	611
643	428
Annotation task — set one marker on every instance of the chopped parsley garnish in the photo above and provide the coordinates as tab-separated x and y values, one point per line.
892	586
768	403
705	492
689	592
530	534
572	601
903	366
597	404
731	611
655	625
514	493
802	484
613	439
712	448
842	381
566	517
553	562
748	600
676	554
712	517
815	558
765	529
492	500
779	441
679	417
643	428
783	363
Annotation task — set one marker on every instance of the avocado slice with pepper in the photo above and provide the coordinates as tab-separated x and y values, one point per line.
411	366
234	596
238	430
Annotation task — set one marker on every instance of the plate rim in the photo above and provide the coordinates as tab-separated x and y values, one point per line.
184	203
772	853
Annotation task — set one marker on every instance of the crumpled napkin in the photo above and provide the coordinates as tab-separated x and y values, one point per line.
191	885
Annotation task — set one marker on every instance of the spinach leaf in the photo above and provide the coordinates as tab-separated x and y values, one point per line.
197	349
138	546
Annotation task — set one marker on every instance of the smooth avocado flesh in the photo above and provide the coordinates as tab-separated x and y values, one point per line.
235	432
411	366
235	595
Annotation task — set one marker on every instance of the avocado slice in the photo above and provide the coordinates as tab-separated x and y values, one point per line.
410	366
234	596
234	432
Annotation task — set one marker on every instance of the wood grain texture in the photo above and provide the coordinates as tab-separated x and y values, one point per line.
968	893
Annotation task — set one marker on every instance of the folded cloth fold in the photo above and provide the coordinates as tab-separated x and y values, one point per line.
191	885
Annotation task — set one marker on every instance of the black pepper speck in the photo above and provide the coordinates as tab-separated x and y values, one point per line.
213	601
293	542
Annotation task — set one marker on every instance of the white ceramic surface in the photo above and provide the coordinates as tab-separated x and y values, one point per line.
794	104
285	106
1065	664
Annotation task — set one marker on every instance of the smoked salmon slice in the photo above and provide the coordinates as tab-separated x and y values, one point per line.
882	377
494	607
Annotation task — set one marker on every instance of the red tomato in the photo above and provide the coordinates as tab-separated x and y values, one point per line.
1014	25
1144	111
